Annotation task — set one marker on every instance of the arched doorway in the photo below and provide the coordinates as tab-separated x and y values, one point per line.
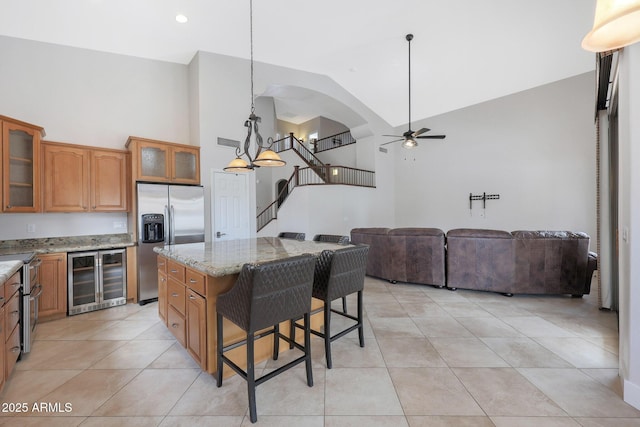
282	190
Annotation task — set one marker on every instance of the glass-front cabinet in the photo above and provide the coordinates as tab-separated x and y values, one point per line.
96	280
20	166
158	161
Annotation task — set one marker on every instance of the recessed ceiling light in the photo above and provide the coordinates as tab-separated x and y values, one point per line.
181	18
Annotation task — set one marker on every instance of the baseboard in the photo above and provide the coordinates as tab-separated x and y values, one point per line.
632	394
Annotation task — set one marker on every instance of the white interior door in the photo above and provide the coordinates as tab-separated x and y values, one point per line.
230	206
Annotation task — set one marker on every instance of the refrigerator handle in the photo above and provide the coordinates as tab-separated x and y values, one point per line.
167	230
173	226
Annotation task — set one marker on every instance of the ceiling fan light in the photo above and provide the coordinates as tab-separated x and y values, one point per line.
237	165
409	143
616	24
269	158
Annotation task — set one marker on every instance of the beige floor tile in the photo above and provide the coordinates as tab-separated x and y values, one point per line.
465	309
523	352
124	330
534	326
175	357
134	355
448	421
424	309
395	327
587	326
203	397
534	422
381	310
578	394
609	422
202	421
289	394
122	422
503	309
608	377
611	344
442	326
347	353
348	391
89	390
284	421
579	352
467	352
152	393
30	386
488	327
67	354
41	421
505	392
76	330
156	332
432	391
409	352
369	421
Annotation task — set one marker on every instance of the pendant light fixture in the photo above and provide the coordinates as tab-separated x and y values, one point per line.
616	25
264	155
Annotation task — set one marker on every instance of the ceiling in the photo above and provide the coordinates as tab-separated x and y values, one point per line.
463	52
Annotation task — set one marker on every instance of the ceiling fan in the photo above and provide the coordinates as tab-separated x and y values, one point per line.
409	137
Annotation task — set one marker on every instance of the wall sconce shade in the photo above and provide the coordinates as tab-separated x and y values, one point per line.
616	25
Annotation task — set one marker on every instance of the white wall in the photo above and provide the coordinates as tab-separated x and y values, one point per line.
90	98
629	221
536	149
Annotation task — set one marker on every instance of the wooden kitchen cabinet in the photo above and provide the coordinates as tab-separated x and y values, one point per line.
20	165
11	323
84	179
160	161
53	278
186	306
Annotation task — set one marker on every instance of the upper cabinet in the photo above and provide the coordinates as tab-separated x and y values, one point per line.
159	161
20	165
84	179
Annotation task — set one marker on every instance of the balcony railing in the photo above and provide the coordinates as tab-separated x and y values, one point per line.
333	141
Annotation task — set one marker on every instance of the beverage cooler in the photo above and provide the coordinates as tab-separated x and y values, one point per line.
97	280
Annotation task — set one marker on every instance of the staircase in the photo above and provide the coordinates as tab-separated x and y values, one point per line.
316	173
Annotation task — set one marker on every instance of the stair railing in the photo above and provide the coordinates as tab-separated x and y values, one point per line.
333	141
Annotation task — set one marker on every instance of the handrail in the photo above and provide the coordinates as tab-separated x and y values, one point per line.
333	141
292	143
329	175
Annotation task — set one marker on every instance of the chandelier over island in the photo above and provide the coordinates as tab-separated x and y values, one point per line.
264	155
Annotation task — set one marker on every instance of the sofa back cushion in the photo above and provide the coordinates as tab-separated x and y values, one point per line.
480	259
551	261
418	255
378	261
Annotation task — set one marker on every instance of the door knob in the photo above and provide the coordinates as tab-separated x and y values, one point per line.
219	234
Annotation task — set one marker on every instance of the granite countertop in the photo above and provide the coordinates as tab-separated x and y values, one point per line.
8	268
226	257
65	244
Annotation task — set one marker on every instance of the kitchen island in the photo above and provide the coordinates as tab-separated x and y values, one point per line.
192	275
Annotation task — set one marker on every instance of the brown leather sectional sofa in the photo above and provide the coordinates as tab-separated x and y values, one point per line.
521	262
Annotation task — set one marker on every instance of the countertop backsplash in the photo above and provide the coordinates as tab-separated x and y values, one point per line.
66	244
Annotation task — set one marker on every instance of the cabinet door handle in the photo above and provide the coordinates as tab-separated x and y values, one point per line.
192	281
174	325
15	349
174	294
192	297
15	313
174	271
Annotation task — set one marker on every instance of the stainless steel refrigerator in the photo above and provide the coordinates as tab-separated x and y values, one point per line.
166	215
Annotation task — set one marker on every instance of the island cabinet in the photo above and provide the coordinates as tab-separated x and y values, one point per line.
84	179
160	161
20	168
53	277
189	301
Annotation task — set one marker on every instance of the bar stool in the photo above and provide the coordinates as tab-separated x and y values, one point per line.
338	274
263	296
340	240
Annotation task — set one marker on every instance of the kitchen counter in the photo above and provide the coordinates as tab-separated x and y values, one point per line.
8	269
65	244
225	257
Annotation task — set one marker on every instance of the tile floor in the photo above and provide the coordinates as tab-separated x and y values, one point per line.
432	358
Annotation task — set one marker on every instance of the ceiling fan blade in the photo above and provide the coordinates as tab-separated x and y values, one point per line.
394	136
432	137
390	142
420	131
